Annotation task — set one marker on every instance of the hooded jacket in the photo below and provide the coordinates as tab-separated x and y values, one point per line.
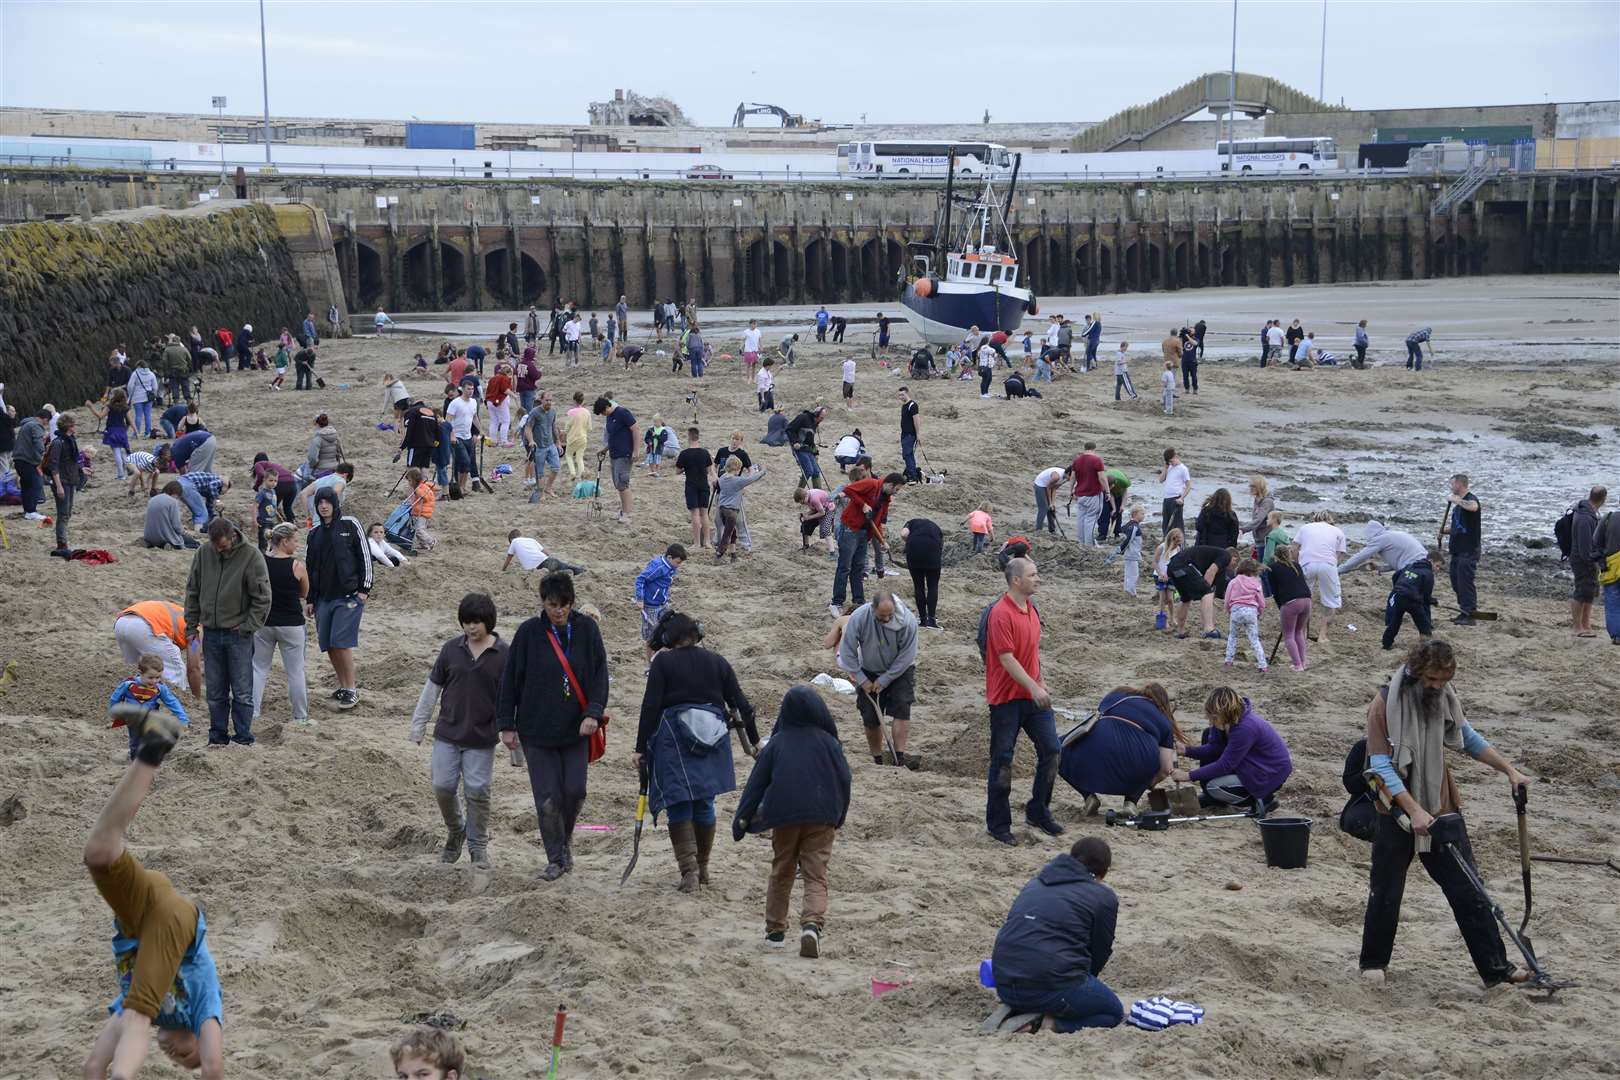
1582	547
229	591
868	645
1252	750
1060	929
338	559
801	777
1398	549
325	450
30	449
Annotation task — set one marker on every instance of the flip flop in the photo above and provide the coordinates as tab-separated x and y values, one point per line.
995	1020
1013	1024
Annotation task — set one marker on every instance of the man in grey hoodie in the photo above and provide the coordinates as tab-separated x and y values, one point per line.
1397	549
879	651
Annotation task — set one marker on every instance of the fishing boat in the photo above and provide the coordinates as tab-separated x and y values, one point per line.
970	277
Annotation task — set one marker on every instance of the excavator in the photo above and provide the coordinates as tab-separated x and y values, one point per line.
755	108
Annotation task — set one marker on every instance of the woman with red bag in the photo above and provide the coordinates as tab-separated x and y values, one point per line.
553	697
684	739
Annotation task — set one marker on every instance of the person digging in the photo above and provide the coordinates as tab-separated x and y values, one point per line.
166	974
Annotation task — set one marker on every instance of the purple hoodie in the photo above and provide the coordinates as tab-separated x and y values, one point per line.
1252	750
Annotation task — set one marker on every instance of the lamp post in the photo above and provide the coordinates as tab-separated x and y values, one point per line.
1231	104
264	70
219	133
1321	72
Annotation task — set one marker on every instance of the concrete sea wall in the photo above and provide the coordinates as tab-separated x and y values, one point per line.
72	291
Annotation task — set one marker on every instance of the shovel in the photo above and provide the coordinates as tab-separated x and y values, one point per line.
1521	797
641	815
883	724
1612	864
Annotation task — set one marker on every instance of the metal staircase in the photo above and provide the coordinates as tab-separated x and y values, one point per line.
1462	189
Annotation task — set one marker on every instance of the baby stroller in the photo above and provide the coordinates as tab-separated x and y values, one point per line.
398	527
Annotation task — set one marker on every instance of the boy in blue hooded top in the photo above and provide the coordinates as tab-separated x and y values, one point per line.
799	792
166	975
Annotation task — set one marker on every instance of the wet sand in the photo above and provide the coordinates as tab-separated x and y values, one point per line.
314	854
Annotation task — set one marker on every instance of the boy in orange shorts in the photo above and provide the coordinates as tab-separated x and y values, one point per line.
166	974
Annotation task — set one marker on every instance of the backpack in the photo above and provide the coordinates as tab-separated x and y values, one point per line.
983	635
1564	532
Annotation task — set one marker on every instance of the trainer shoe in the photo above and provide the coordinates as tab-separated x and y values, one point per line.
1005	837
34	516
810	941
835	611
776	939
348	699
1212	635
1463	620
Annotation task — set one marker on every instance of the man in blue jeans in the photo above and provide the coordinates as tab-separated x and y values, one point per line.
228	597
1050	953
1018	702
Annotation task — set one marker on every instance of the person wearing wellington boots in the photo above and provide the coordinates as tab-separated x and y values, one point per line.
799	793
684	740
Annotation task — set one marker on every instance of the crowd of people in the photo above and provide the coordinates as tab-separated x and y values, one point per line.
543	693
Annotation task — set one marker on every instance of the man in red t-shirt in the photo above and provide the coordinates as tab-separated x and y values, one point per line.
1090	491
1018	702
866	503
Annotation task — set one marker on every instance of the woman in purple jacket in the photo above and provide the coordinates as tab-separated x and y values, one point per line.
1244	758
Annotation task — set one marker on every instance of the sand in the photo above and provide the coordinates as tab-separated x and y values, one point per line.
314	854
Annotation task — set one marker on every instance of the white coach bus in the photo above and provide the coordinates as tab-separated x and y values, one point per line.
917	160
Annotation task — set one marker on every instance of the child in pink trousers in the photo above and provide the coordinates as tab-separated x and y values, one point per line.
1244	601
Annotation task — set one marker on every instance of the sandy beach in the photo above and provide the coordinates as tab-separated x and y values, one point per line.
315	853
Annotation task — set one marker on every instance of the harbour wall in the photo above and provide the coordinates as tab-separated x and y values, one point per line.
72	290
494	244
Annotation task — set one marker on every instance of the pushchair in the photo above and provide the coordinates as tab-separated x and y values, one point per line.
399	529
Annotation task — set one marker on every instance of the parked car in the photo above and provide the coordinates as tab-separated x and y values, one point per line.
706	172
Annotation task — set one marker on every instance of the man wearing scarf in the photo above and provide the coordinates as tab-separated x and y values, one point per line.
1410	724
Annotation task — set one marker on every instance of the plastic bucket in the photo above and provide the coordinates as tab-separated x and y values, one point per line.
1287	841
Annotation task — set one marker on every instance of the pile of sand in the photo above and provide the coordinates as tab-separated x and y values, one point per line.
314	854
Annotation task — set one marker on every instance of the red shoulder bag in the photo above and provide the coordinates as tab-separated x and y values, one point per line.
599	736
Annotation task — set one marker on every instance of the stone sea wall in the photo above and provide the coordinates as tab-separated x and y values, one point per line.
71	291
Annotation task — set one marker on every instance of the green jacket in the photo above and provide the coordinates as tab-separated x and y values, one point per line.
229	591
176	361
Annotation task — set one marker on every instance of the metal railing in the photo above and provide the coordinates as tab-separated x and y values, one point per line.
1448	161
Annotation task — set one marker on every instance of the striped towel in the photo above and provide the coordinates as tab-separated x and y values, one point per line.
1158	1013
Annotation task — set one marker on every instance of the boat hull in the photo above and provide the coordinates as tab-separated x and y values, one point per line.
944	317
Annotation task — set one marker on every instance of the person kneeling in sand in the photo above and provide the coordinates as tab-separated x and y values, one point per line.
166	974
531	556
1050	953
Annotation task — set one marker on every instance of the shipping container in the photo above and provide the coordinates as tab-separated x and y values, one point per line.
420	136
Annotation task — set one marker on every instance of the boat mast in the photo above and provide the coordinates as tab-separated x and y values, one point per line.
950	176
1012	186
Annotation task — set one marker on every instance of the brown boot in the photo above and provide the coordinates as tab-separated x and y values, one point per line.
682	839
705	843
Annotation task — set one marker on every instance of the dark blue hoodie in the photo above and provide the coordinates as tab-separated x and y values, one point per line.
801	777
1059	931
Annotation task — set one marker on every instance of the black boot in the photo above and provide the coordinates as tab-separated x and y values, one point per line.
455	830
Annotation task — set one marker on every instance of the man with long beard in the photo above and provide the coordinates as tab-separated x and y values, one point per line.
1410	724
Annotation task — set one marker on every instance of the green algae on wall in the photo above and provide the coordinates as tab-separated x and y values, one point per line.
70	292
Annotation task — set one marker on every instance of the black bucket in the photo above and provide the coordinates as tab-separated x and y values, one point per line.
1287	841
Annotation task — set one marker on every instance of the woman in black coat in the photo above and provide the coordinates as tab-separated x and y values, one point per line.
799	792
684	740
1217	524
552	715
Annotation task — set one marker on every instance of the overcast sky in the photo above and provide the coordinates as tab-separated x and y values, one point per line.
934	61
